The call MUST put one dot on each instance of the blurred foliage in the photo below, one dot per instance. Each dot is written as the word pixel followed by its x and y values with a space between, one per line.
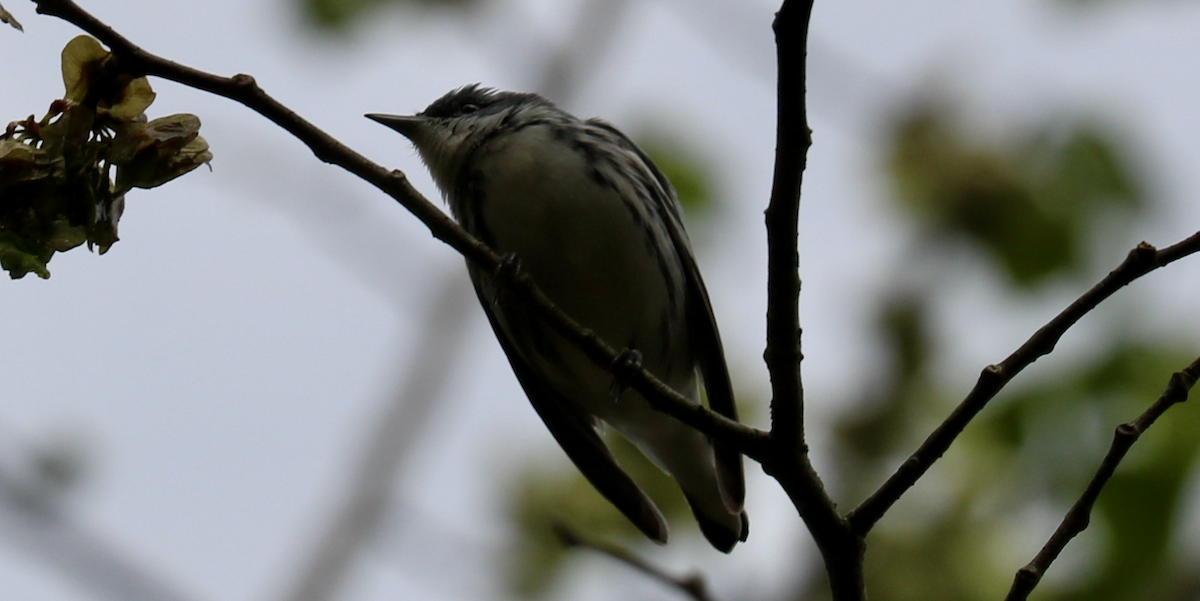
pixel 687 172
pixel 339 15
pixel 56 191
pixel 964 531
pixel 544 500
pixel 1028 202
pixel 1030 453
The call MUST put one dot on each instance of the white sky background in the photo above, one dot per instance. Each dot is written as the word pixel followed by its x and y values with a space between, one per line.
pixel 221 364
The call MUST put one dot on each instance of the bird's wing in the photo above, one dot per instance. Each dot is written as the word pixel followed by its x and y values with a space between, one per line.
pixel 576 435
pixel 702 326
pixel 715 373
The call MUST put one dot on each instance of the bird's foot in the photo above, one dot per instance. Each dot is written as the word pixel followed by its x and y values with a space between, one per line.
pixel 506 273
pixel 623 369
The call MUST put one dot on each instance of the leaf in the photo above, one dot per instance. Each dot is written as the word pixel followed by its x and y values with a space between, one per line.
pixel 14 151
pixel 151 154
pixel 19 257
pixel 62 236
pixel 135 98
pixel 69 133
pixel 83 69
pixel 82 58
pixel 6 17
pixel 21 162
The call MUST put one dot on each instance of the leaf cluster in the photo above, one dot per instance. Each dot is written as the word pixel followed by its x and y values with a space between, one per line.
pixel 63 178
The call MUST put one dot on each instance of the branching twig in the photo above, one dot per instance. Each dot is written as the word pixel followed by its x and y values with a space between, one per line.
pixel 1079 515
pixel 1141 260
pixel 692 585
pixel 243 89
pixel 789 463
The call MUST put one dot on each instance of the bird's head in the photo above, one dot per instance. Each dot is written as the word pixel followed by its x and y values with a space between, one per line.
pixel 447 132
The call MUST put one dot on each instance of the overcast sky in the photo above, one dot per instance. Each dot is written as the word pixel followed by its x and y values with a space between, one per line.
pixel 220 366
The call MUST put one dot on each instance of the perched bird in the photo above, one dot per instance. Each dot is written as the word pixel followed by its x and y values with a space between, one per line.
pixel 587 214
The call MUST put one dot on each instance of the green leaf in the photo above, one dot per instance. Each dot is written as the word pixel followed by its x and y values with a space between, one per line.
pixel 134 99
pixel 82 58
pixel 19 257
pixel 61 235
pixel 151 154
pixel 21 162
pixel 84 63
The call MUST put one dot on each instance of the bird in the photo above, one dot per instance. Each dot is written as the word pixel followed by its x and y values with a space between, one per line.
pixel 584 211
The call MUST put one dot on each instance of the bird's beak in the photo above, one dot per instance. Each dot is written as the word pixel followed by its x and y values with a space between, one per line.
pixel 409 126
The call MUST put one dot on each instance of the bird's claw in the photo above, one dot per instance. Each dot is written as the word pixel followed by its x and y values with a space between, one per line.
pixel 506 273
pixel 624 367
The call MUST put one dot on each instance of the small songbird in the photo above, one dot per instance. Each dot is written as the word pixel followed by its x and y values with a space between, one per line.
pixel 585 212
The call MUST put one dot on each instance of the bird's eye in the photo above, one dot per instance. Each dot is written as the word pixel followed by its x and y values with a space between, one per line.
pixel 467 109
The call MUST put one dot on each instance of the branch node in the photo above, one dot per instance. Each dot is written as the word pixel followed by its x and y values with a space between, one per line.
pixel 991 374
pixel 1027 578
pixel 243 80
pixel 1141 255
pixel 1126 431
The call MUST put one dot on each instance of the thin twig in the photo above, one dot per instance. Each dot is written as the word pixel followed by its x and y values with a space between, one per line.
pixel 1079 515
pixel 1141 260
pixel 243 89
pixel 793 140
pixel 692 585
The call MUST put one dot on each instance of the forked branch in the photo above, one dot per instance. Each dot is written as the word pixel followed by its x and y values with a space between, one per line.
pixel 1079 515
pixel 1141 260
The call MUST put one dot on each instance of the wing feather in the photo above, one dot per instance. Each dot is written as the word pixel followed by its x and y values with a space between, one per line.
pixel 573 430
pixel 701 322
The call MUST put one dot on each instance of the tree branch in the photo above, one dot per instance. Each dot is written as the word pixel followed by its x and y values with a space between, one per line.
pixel 691 585
pixel 243 89
pixel 1141 260
pixel 841 550
pixel 1079 515
pixel 793 139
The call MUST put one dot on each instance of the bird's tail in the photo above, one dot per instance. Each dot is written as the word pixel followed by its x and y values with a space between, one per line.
pixel 723 528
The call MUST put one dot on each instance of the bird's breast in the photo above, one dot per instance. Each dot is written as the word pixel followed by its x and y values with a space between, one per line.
pixel 587 240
